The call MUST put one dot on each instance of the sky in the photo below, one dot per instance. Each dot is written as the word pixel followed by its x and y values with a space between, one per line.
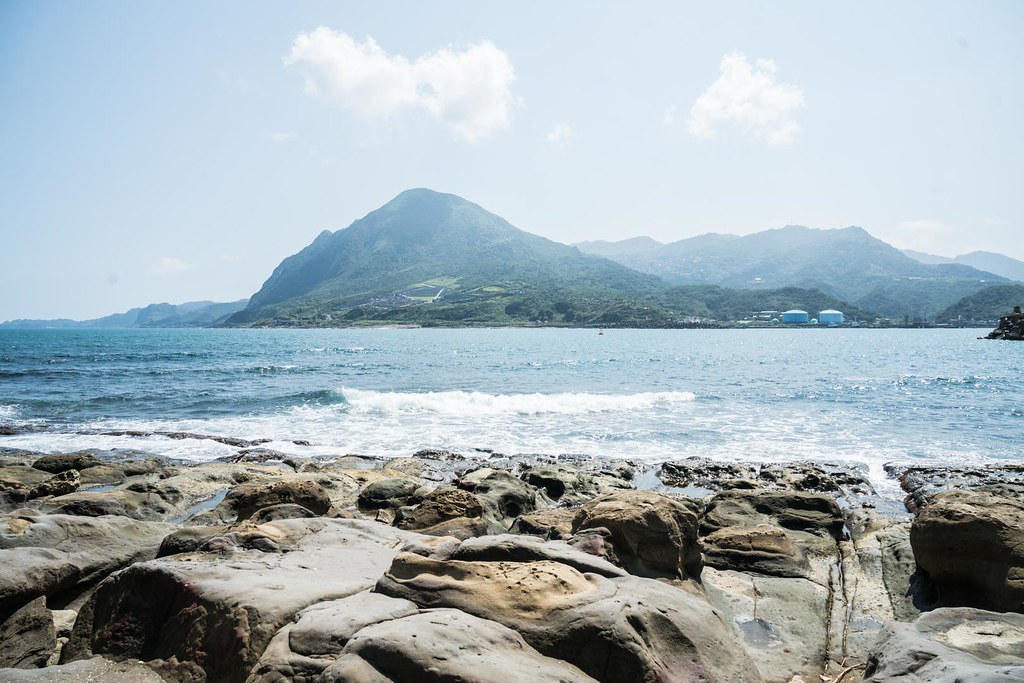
pixel 173 152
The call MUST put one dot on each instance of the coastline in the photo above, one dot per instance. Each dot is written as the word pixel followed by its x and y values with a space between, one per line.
pixel 797 570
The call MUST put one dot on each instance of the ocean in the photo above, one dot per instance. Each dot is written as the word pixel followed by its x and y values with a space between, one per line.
pixel 850 395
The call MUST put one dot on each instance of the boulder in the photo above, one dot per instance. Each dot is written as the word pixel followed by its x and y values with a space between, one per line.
pixel 441 505
pixel 60 462
pixel 60 555
pixel 512 548
pixel 249 498
pixel 950 645
pixel 613 629
pixel 121 502
pixel 653 534
pixel 765 549
pixel 61 484
pixel 794 510
pixel 215 612
pixel 102 475
pixel 504 496
pixel 27 637
pixel 15 477
pixel 393 492
pixel 554 523
pixel 445 645
pixel 970 545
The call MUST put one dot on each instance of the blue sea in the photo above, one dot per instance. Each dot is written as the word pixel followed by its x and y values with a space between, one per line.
pixel 854 395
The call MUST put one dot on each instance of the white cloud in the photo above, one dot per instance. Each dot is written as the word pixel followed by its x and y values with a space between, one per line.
pixel 561 134
pixel 282 138
pixel 468 91
pixel 169 264
pixel 748 97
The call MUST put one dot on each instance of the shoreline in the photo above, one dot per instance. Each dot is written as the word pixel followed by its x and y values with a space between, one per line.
pixel 487 543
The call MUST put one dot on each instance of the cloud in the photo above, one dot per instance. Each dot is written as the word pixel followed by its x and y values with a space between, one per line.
pixel 467 91
pixel 282 138
pixel 169 264
pixel 748 98
pixel 561 134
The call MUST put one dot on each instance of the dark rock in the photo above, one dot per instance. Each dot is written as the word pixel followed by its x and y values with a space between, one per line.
pixel 246 499
pixel 950 645
pixel 102 474
pixel 654 535
pixel 58 485
pixel 971 547
pixel 393 492
pixel 59 462
pixel 441 505
pixel 797 511
pixel 764 549
pixel 189 539
pixel 280 511
pixel 122 502
pixel 27 638
pixel 553 523
pixel 703 472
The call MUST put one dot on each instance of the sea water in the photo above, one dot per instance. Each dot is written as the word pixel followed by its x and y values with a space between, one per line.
pixel 851 395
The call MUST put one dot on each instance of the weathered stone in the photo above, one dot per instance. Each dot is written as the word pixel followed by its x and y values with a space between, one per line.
pixel 797 511
pixel 504 496
pixel 445 645
pixel 441 505
pixel 102 474
pixel 764 549
pixel 512 548
pixel 614 629
pixel 971 546
pixel 392 492
pixel 27 637
pixel 59 462
pixel 206 614
pixel 654 535
pixel 247 499
pixel 281 511
pixel 21 477
pixel 122 502
pixel 60 555
pixel 95 670
pixel 58 485
pixel 951 645
pixel 553 523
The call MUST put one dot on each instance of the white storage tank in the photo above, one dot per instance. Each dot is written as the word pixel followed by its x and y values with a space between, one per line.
pixel 795 317
pixel 831 317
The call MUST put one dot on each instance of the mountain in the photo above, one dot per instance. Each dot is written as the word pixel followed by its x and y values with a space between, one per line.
pixel 428 257
pixel 634 246
pixel 987 305
pixel 191 314
pixel 846 263
pixel 1000 264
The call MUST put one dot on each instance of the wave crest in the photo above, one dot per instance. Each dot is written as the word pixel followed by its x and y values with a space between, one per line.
pixel 463 403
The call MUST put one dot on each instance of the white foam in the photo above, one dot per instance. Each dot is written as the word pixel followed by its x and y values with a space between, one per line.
pixel 473 403
pixel 8 411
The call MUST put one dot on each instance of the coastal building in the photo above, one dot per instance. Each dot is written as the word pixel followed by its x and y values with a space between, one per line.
pixel 831 317
pixel 795 317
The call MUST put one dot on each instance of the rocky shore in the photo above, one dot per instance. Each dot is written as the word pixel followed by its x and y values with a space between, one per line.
pixel 1010 327
pixel 121 566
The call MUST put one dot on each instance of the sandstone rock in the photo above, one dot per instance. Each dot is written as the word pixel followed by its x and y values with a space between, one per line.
pixel 95 670
pixel 971 546
pixel 614 629
pixel 445 645
pixel 951 645
pixel 280 511
pixel 797 511
pixel 503 495
pixel 441 505
pixel 122 502
pixel 654 535
pixel 15 477
pixel 60 555
pixel 27 637
pixel 199 613
pixel 189 539
pixel 247 499
pixel 58 485
pixel 764 549
pixel 392 492
pixel 554 523
pixel 512 548
pixel 303 649
pixel 102 474
pixel 704 472
pixel 59 462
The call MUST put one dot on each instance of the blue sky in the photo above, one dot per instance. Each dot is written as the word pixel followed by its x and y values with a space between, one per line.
pixel 174 151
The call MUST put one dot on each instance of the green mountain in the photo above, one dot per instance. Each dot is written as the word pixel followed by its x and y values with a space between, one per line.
pixel 987 305
pixel 719 303
pixel 847 263
pixel 427 257
pixel 191 314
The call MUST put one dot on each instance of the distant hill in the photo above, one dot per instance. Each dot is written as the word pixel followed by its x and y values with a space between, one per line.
pixel 846 263
pixel 191 314
pixel 987 305
pixel 430 257
pixel 1000 264
pixel 719 303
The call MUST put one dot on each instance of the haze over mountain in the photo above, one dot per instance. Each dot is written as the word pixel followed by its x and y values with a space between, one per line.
pixel 1000 264
pixel 190 314
pixel 847 263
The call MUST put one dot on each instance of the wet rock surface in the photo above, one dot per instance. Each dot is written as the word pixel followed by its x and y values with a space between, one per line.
pixel 490 567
